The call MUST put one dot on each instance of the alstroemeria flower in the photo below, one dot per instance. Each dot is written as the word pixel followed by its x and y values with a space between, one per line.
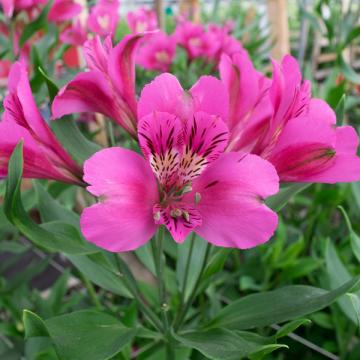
pixel 280 122
pixel 142 20
pixel 195 40
pixel 183 181
pixel 44 156
pixel 109 86
pixel 74 35
pixel 104 17
pixel 11 6
pixel 64 10
pixel 156 52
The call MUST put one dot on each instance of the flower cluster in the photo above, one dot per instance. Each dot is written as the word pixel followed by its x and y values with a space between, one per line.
pixel 210 155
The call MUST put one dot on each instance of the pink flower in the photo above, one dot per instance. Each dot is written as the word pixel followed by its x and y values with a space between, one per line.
pixel 157 52
pixel 11 6
pixel 195 40
pixel 44 156
pixel 142 20
pixel 63 10
pixel 108 88
pixel 104 17
pixel 74 35
pixel 281 123
pixel 184 181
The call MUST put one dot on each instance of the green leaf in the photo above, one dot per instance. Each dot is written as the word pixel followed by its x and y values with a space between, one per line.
pixel 338 274
pixel 51 210
pixel 224 344
pixel 287 303
pixel 34 26
pixel 34 325
pixel 73 140
pixel 278 201
pixel 340 110
pixel 354 237
pixel 51 86
pixel 290 327
pixel 216 262
pixel 100 275
pixel 197 247
pixel 348 71
pixel 56 238
pixel 89 335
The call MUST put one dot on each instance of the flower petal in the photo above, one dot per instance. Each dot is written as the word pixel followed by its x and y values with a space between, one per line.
pixel 121 69
pixel 210 96
pixel 180 219
pixel 205 139
pixel 165 94
pixel 123 220
pixel 230 194
pixel 87 92
pixel 161 141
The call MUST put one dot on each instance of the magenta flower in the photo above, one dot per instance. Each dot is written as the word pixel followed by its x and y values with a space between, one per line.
pixel 108 88
pixel 156 52
pixel 74 35
pixel 64 10
pixel 12 6
pixel 104 17
pixel 195 40
pixel 184 181
pixel 44 156
pixel 280 122
pixel 142 20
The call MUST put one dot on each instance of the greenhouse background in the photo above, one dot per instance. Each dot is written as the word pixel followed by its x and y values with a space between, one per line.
pixel 249 249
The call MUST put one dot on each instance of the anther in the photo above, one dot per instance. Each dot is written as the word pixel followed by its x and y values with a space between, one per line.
pixel 157 216
pixel 175 213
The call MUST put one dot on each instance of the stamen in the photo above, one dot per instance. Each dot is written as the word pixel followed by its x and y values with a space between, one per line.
pixel 175 213
pixel 186 215
pixel 157 216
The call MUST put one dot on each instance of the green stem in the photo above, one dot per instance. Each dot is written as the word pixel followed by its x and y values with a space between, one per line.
pixel 186 275
pixel 91 291
pixel 110 130
pixel 11 27
pixel 185 309
pixel 159 259
pixel 131 285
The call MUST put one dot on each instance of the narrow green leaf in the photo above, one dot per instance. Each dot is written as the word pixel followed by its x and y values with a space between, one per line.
pixel 190 254
pixel 100 275
pixel 338 274
pixel 51 86
pixel 278 201
pixel 34 325
pixel 34 26
pixel 290 327
pixel 223 344
pixel 64 238
pixel 287 303
pixel 88 335
pixel 340 110
pixel 348 71
pixel 73 140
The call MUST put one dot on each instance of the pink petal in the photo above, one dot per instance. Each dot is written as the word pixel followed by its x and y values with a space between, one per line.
pixel 36 163
pixel 205 139
pixel 165 94
pixel 63 10
pixel 87 92
pixel 210 96
pixel 161 141
pixel 96 53
pixel 230 194
pixel 242 83
pixel 123 219
pixel 180 219
pixel 121 69
pixel 310 149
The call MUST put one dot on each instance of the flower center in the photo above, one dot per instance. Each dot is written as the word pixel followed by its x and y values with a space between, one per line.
pixel 104 21
pixel 162 57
